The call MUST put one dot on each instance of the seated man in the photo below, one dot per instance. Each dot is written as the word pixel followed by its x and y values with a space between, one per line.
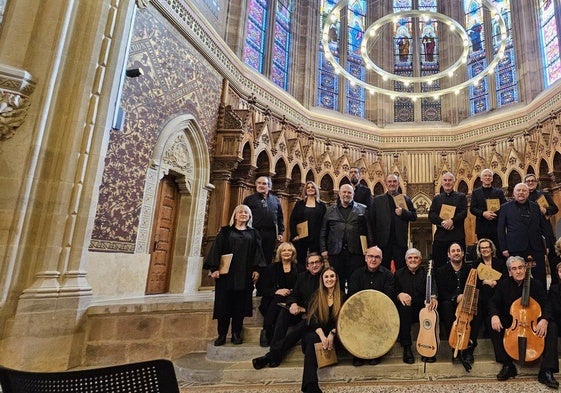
pixel 410 286
pixel 306 284
pixel 451 280
pixel 371 276
pixel 508 291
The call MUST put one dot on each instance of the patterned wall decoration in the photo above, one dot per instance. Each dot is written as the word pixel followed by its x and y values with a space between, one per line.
pixel 176 80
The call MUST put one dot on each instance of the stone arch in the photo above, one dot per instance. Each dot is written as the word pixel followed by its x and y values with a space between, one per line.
pixel 513 179
pixel 263 164
pixel 280 179
pixel 182 150
pixel 296 181
pixel 310 176
pixel 378 189
pixel 544 179
pixel 326 188
pixel 557 166
pixel 422 203
pixel 463 186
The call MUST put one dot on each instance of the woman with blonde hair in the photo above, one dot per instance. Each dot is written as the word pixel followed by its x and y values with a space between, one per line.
pixel 234 289
pixel 309 210
pixel 323 312
pixel 277 283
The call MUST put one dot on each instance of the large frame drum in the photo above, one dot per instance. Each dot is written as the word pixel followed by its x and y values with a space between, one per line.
pixel 368 324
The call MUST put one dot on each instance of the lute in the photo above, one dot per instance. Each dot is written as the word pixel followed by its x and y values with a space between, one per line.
pixel 428 338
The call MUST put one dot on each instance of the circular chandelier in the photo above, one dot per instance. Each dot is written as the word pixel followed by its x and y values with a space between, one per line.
pixel 372 32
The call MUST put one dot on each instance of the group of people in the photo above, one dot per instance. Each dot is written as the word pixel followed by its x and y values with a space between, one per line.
pixel 359 242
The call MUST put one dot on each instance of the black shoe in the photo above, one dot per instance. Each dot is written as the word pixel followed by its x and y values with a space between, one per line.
pixel 274 363
pixel 408 355
pixel 546 377
pixel 237 339
pixel 260 362
pixel 357 362
pixel 374 361
pixel 221 340
pixel 312 388
pixel 467 354
pixel 431 359
pixel 264 339
pixel 508 371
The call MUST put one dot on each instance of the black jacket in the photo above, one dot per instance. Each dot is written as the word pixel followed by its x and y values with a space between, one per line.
pixel 336 232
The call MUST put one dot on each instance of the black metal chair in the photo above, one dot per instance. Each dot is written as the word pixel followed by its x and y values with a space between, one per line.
pixel 154 376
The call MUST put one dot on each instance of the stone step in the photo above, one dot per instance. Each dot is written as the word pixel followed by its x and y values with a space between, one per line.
pixel 232 364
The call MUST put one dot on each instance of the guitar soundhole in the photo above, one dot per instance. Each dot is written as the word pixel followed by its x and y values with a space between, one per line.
pixel 427 324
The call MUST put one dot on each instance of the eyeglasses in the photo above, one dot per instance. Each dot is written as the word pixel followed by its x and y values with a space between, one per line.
pixel 314 263
pixel 373 257
pixel 530 181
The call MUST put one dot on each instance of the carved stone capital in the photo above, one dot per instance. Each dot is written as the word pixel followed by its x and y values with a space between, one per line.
pixel 142 3
pixel 16 86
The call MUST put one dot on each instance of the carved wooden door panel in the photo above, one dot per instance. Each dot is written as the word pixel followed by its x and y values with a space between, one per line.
pixel 162 237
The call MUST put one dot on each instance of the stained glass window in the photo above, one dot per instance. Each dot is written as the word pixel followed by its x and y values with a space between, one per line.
pixel 504 76
pixel 256 51
pixel 429 60
pixel 404 110
pixel 355 65
pixel 506 80
pixel 328 82
pixel 549 41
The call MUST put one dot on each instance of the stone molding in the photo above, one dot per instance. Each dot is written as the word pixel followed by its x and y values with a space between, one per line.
pixel 16 85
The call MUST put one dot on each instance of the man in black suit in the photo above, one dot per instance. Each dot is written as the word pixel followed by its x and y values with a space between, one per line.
pixel 389 223
pixel 340 237
pixel 448 229
pixel 484 201
pixel 520 230
pixel 362 194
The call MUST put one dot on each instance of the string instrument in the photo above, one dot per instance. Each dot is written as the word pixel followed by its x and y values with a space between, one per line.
pixel 466 309
pixel 428 338
pixel 521 337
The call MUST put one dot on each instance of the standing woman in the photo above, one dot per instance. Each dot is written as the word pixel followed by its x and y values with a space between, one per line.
pixel 233 291
pixel 323 312
pixel 311 209
pixel 277 283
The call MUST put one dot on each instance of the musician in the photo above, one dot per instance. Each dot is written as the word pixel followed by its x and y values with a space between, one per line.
pixel 389 223
pixel 508 291
pixel 410 286
pixel 362 194
pixel 372 276
pixel 234 290
pixel 485 219
pixel 343 225
pixel 537 195
pixel 487 255
pixel 450 230
pixel 520 230
pixel 309 209
pixel 323 312
pixel 277 283
pixel 451 281
pixel 295 314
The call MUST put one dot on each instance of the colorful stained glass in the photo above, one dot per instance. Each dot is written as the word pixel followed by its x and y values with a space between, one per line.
pixel 328 81
pixel 549 41
pixel 281 44
pixel 506 84
pixel 355 65
pixel 256 28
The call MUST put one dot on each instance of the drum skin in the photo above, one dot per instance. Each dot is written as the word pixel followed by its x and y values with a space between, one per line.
pixel 368 324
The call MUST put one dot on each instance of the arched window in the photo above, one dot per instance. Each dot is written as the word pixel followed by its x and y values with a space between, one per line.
pixel 504 80
pixel 549 41
pixel 328 81
pixel 416 53
pixel 268 39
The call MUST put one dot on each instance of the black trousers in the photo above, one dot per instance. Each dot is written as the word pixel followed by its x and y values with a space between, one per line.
pixel 550 359
pixel 283 339
pixel 408 315
pixel 346 263
pixel 310 372
pixel 395 252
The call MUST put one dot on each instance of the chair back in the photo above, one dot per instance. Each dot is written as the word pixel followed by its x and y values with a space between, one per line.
pixel 154 376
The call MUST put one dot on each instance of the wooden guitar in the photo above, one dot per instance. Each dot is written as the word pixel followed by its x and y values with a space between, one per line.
pixel 428 339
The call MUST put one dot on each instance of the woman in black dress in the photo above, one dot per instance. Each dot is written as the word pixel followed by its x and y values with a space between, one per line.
pixel 323 312
pixel 309 209
pixel 233 290
pixel 277 283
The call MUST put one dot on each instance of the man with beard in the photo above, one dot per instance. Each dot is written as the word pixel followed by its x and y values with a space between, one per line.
pixel 485 203
pixel 389 223
pixel 362 194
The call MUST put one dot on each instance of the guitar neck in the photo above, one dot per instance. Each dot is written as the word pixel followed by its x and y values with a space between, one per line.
pixel 428 285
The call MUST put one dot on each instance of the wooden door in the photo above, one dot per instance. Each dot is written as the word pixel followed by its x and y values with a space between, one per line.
pixel 162 237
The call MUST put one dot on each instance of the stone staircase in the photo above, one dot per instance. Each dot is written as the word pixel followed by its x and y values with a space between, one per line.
pixel 231 364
